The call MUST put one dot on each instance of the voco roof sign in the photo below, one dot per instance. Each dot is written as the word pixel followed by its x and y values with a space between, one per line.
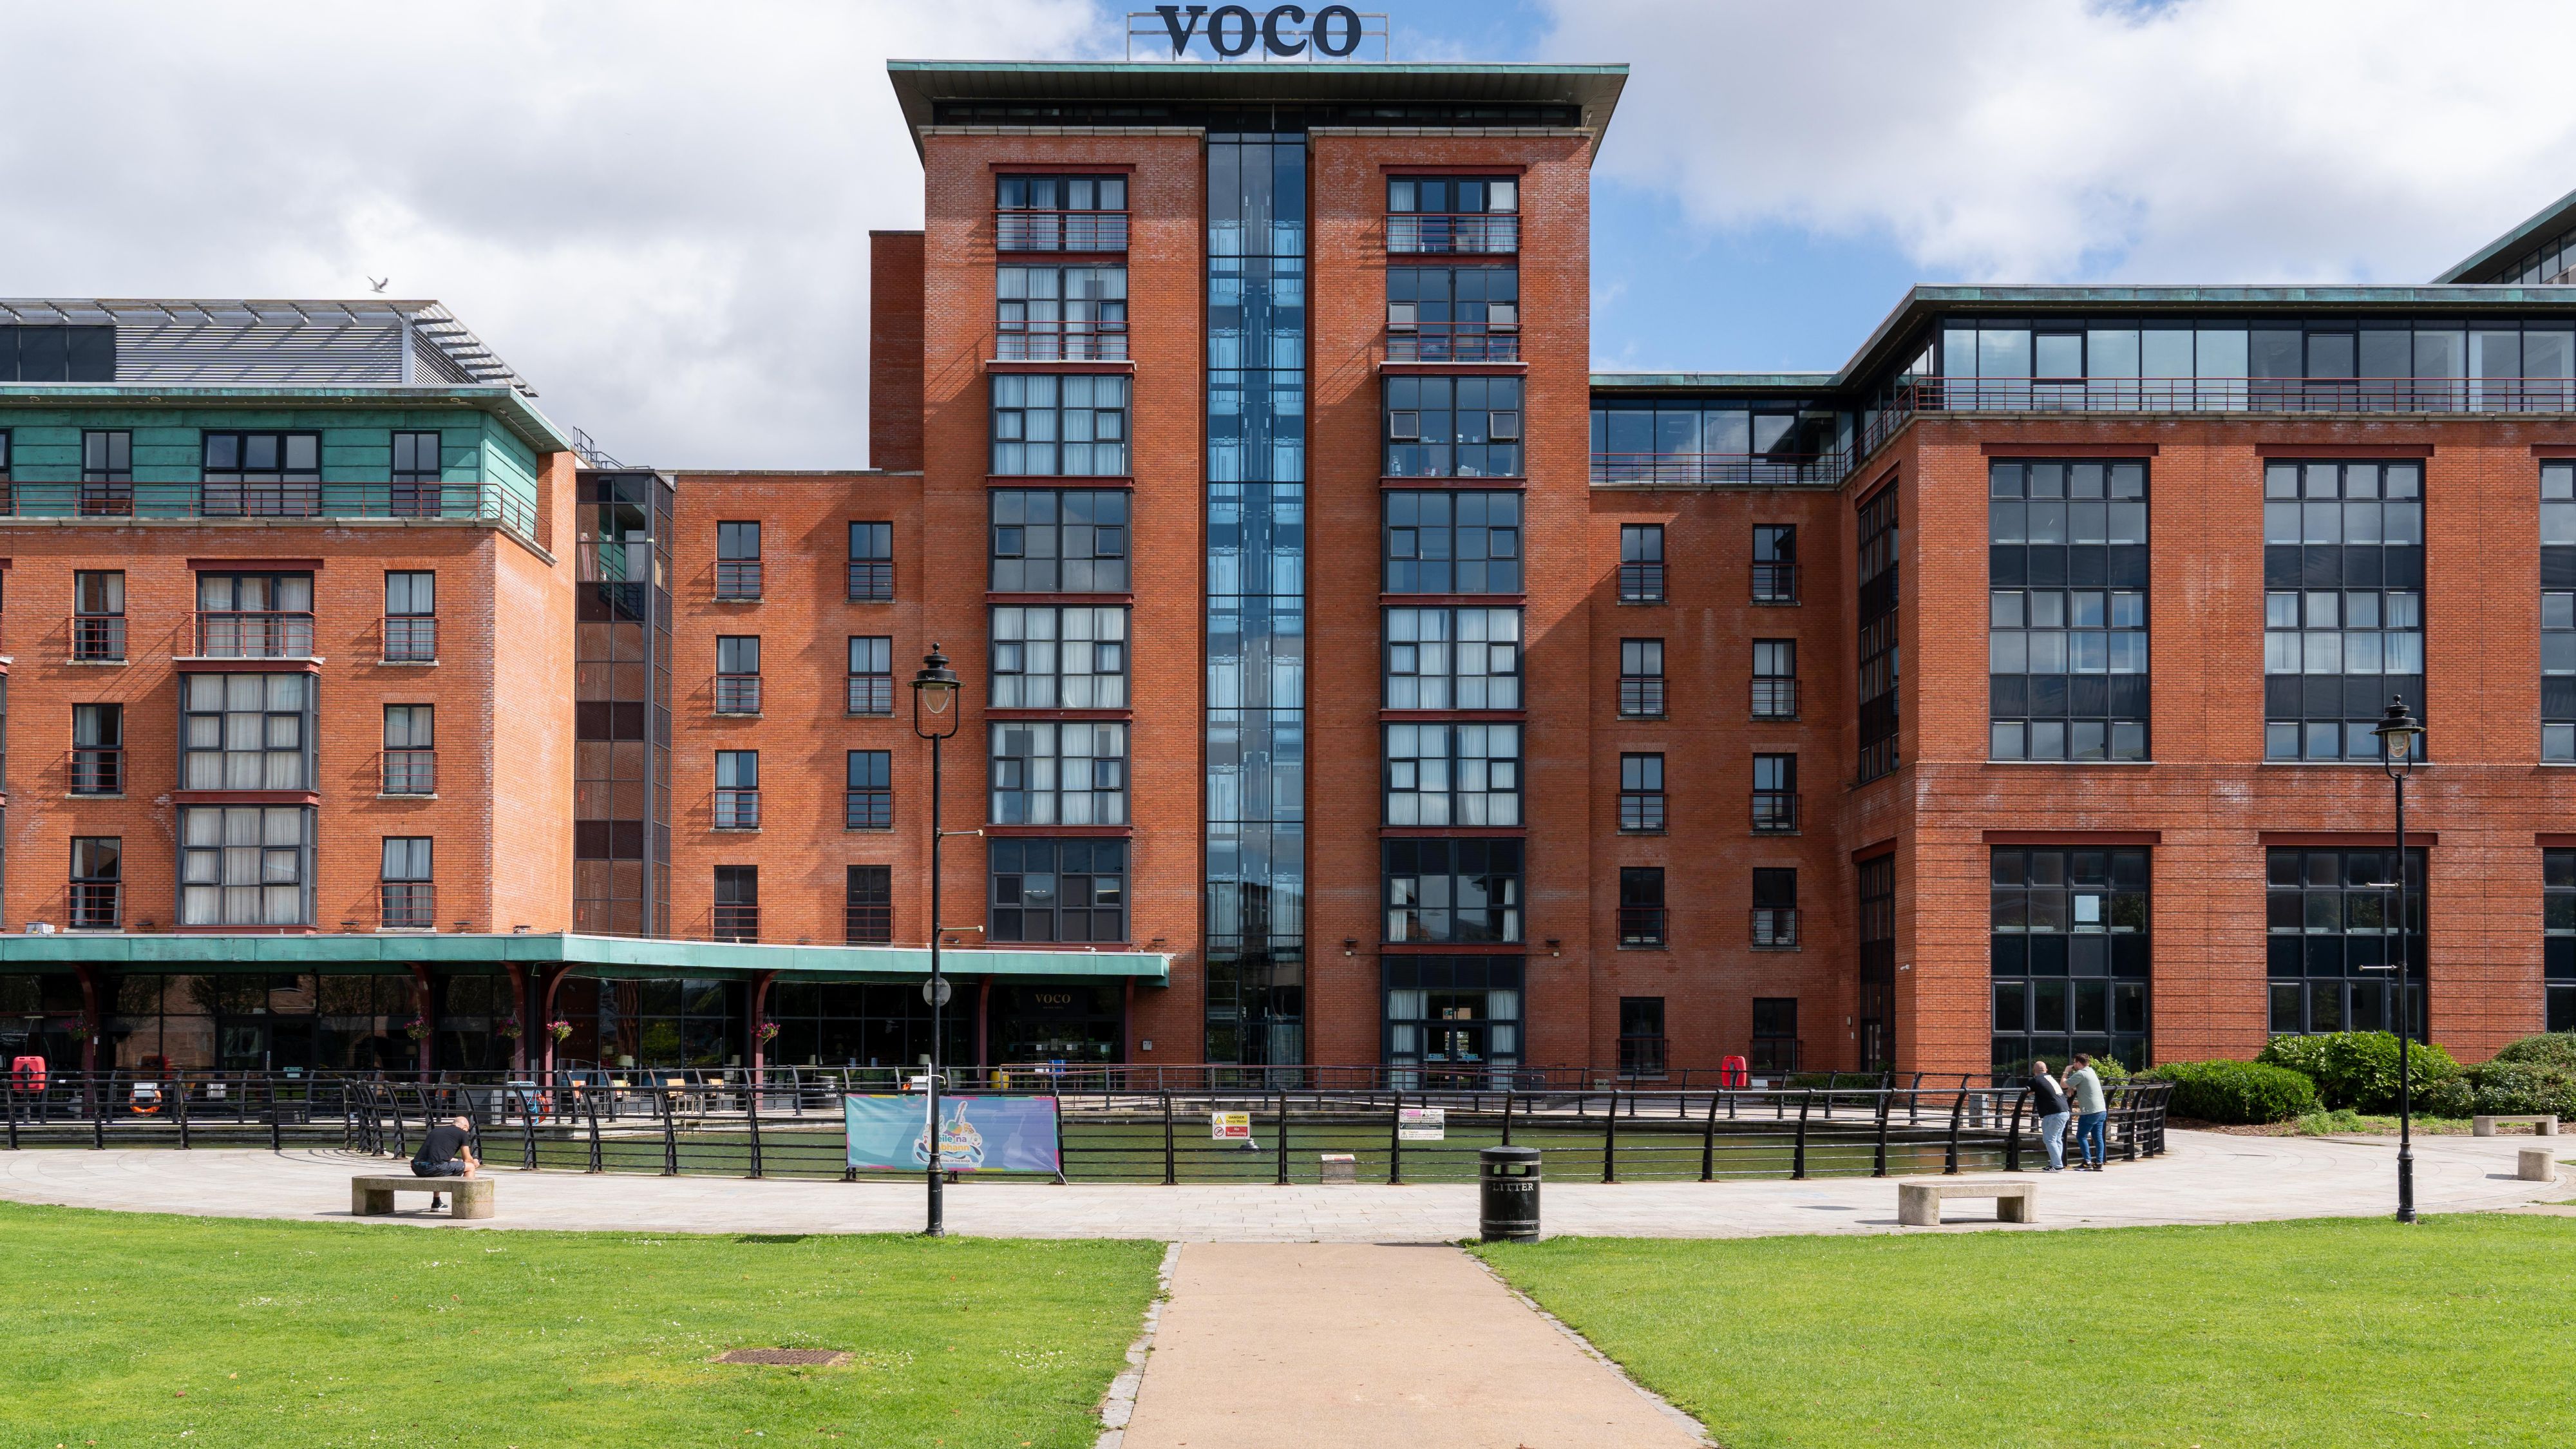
pixel 1232 32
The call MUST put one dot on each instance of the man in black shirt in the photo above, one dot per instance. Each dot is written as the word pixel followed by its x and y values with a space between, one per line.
pixel 446 1152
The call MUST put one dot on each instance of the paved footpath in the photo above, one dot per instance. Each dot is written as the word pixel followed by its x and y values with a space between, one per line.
pixel 2204 1178
pixel 1297 1344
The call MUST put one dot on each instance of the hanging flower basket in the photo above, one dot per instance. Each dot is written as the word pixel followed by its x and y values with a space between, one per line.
pixel 509 1028
pixel 559 1029
pixel 417 1028
pixel 767 1031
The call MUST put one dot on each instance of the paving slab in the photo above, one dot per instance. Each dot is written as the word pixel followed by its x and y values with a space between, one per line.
pixel 1285 1346
pixel 2204 1178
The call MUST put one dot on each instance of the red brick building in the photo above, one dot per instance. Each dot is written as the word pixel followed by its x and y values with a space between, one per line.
pixel 1351 677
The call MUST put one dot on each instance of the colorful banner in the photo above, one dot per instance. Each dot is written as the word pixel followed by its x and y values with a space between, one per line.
pixel 976 1133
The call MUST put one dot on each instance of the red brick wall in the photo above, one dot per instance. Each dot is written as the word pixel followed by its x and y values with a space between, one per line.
pixel 894 349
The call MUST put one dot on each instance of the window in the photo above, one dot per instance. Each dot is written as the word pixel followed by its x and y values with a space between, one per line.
pixel 737 903
pixel 1453 543
pixel 1051 542
pixel 1641 1036
pixel 1046 425
pixel 2067 613
pixel 411 618
pixel 51 352
pixel 1045 657
pixel 416 461
pixel 107 473
pixel 411 749
pixel 255 616
pixel 2334 939
pixel 98 875
pixel 1061 314
pixel 867 906
pixel 269 474
pixel 738 674
pixel 1775 679
pixel 1453 890
pixel 1453 659
pixel 1775 794
pixel 1878 647
pixel 245 865
pixel 1453 314
pixel 98 616
pixel 1059 890
pixel 1641 678
pixel 246 731
pixel 1775 1034
pixel 2070 955
pixel 871 563
pixel 1444 774
pixel 1641 794
pixel 1690 444
pixel 98 749
pixel 737 789
pixel 1453 427
pixel 2558 939
pixel 1775 907
pixel 869 791
pixel 1453 214
pixel 1641 907
pixel 2343 605
pixel 1059 774
pixel 1877 1015
pixel 738 561
pixel 2558 612
pixel 1452 1021
pixel 871 674
pixel 1641 563
pixel 407 903
pixel 1775 563
pixel 1061 214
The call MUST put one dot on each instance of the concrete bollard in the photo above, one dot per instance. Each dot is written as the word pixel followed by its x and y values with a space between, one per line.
pixel 2535 1166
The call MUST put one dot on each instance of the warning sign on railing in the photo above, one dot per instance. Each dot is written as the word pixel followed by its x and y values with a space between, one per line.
pixel 1229 1126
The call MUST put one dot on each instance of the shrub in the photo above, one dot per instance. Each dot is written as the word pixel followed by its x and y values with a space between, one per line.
pixel 2358 1069
pixel 2454 1098
pixel 2556 1049
pixel 2236 1092
pixel 2519 1087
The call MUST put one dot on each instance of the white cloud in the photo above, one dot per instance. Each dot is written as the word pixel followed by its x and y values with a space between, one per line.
pixel 2052 140
pixel 657 212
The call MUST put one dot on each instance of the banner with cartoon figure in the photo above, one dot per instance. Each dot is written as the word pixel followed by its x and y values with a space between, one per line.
pixel 976 1133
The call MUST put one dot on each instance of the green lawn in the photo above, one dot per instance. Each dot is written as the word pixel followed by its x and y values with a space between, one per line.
pixel 127 1328
pixel 2458 1331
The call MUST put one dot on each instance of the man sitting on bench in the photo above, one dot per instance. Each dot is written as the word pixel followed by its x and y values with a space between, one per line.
pixel 444 1152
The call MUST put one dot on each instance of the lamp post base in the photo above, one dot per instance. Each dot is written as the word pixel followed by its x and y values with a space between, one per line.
pixel 2406 1187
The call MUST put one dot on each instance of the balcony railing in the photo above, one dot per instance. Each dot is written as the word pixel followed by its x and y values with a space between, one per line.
pixel 1024 230
pixel 97 905
pixel 1775 812
pixel 1451 342
pixel 407 905
pixel 1695 470
pixel 267 635
pixel 1478 232
pixel 1775 926
pixel 737 923
pixel 737 694
pixel 1062 342
pixel 411 639
pixel 411 772
pixel 475 502
pixel 738 578
pixel 1641 812
pixel 1641 1056
pixel 737 810
pixel 98 638
pixel 867 925
pixel 1641 697
pixel 1641 583
pixel 871 580
pixel 1775 699
pixel 1775 583
pixel 871 694
pixel 98 770
pixel 868 810
pixel 1641 925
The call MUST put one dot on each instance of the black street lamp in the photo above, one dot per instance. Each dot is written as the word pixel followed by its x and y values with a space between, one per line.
pixel 934 718
pixel 2397 734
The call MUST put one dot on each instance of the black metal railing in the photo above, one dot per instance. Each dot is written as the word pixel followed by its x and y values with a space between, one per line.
pixel 871 580
pixel 410 905
pixel 871 694
pixel 736 810
pixel 1775 812
pixel 1775 699
pixel 737 694
pixel 411 772
pixel 738 579
pixel 98 638
pixel 1641 812
pixel 470 502
pixel 1451 342
pixel 96 905
pixel 1641 583
pixel 98 770
pixel 1775 583
pixel 261 634
pixel 411 639
pixel 867 810
pixel 1641 925
pixel 1775 925
pixel 1701 470
pixel 1641 696
pixel 1031 230
pixel 1078 341
pixel 1479 232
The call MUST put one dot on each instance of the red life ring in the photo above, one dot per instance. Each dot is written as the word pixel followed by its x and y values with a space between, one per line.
pixel 1732 1073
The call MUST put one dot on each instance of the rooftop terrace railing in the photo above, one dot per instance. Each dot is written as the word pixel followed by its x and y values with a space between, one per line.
pixel 1701 470
pixel 330 502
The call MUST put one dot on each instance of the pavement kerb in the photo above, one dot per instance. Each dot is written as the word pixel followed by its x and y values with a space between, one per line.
pixel 1663 1406
pixel 1119 1404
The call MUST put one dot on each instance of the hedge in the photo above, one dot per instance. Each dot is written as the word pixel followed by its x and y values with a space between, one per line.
pixel 2557 1049
pixel 2235 1092
pixel 2358 1069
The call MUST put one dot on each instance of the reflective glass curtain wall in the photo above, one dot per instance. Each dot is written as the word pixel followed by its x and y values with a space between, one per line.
pixel 622 707
pixel 1256 626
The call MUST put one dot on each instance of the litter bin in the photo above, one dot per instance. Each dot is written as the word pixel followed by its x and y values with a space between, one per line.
pixel 1507 1179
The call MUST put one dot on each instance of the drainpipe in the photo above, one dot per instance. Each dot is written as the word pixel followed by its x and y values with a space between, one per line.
pixel 759 1014
pixel 519 1009
pixel 424 1047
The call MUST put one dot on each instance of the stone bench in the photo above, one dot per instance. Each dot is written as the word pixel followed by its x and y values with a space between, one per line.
pixel 2532 1164
pixel 1918 1203
pixel 373 1196
pixel 2544 1124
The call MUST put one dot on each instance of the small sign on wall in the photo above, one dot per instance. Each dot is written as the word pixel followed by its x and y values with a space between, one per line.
pixel 1229 1126
pixel 1421 1124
